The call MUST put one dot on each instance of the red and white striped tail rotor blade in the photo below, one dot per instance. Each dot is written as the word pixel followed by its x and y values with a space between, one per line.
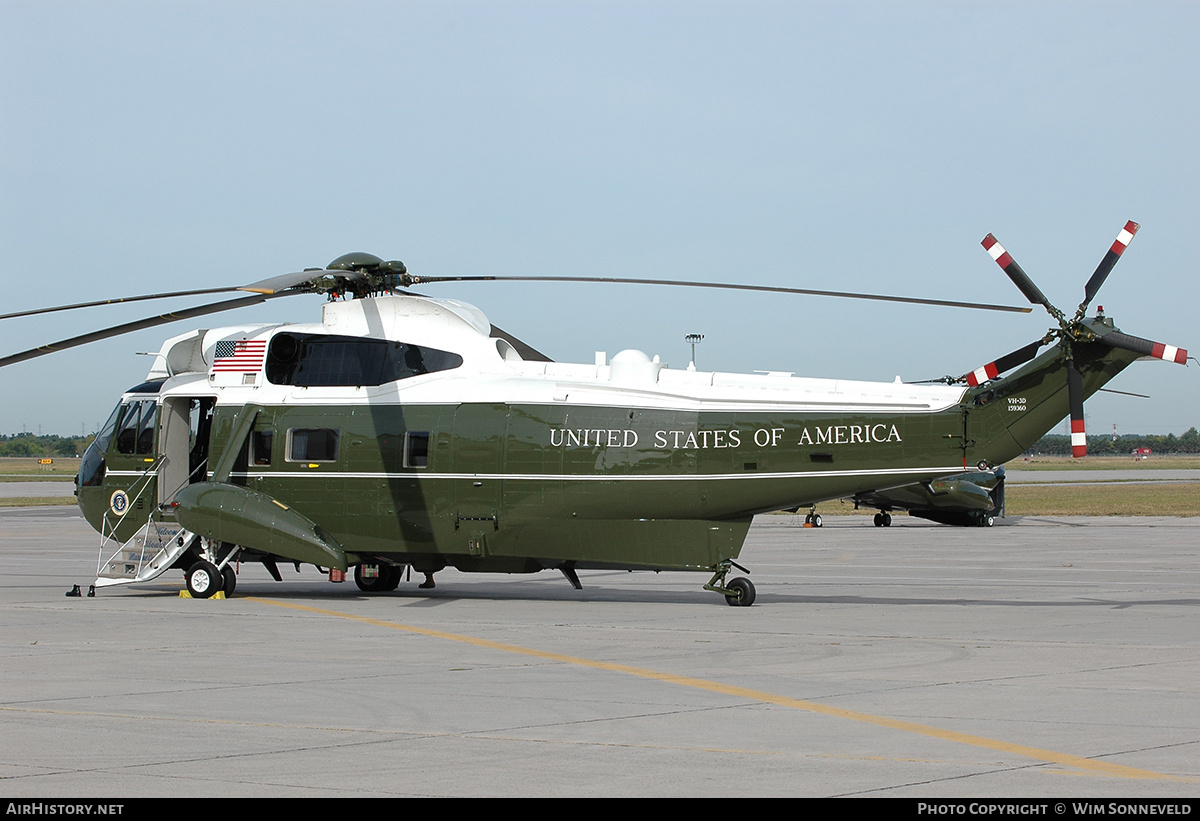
pixel 1010 267
pixel 1004 363
pixel 1146 347
pixel 1075 394
pixel 1110 259
pixel 981 375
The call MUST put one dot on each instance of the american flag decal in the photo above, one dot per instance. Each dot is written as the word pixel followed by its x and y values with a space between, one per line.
pixel 239 356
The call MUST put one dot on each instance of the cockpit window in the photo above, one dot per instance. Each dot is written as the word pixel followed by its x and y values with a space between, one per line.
pixel 315 360
pixel 91 468
pixel 135 434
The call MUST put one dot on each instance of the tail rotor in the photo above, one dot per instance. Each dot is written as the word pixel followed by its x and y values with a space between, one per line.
pixel 1070 333
pixel 1106 265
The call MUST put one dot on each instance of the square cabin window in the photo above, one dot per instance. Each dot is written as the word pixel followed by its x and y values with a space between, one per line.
pixel 416 449
pixel 260 447
pixel 312 445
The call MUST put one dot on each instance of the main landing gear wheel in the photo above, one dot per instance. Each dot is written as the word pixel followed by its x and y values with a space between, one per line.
pixel 883 519
pixel 743 593
pixel 377 578
pixel 813 519
pixel 395 575
pixel 204 580
pixel 229 578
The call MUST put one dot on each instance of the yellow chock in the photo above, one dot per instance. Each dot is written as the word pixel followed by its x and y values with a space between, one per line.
pixel 184 594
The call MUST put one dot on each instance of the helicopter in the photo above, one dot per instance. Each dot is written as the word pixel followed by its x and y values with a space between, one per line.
pixel 972 498
pixel 406 431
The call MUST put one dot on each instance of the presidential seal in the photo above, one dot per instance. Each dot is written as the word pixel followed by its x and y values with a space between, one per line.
pixel 119 502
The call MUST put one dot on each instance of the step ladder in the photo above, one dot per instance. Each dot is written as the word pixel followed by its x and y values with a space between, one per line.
pixel 147 554
pixel 151 550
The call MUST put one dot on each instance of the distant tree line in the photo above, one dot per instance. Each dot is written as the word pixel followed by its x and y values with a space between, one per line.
pixel 1059 444
pixel 28 444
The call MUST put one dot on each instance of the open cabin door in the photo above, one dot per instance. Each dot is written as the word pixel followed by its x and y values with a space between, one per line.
pixel 181 457
pixel 184 427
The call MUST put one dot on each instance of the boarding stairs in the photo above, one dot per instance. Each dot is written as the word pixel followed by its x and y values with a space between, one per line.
pixel 152 550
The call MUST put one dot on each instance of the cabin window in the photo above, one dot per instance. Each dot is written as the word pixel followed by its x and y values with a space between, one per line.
pixel 416 449
pixel 135 434
pixel 260 447
pixel 312 445
pixel 315 360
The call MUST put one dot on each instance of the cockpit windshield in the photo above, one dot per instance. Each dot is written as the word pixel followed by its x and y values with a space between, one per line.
pixel 91 467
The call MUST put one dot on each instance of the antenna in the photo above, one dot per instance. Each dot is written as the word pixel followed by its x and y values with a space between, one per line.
pixel 693 340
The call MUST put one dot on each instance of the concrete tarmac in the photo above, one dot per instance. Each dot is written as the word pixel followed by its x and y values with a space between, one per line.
pixel 1040 658
pixel 44 490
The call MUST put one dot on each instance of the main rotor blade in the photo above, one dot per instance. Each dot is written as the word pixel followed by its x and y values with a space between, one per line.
pixel 728 286
pixel 1075 395
pixel 271 285
pixel 1126 393
pixel 116 301
pixel 1007 362
pixel 1015 273
pixel 138 325
pixel 285 282
pixel 1146 347
pixel 1106 265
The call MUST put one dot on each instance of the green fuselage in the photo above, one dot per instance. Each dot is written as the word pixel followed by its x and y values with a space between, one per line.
pixel 518 487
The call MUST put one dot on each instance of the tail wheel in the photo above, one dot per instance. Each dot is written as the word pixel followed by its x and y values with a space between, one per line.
pixel 204 580
pixel 743 593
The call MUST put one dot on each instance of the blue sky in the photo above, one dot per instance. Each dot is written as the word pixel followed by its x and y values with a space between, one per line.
pixel 148 146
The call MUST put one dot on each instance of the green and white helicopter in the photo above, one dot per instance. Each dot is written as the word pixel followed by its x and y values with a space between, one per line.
pixel 406 431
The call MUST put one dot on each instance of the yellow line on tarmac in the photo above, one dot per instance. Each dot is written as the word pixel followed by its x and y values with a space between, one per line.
pixel 1087 764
